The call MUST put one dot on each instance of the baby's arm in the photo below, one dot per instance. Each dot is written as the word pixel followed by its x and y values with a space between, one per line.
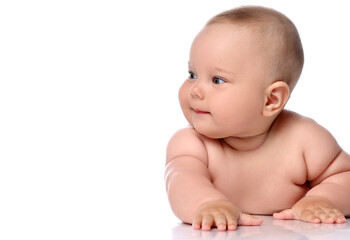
pixel 328 173
pixel 191 193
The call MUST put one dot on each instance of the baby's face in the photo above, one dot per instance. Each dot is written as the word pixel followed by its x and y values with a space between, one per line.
pixel 224 93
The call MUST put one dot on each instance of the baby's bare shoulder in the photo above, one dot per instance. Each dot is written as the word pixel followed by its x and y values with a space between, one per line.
pixel 318 145
pixel 292 119
pixel 187 142
pixel 308 131
pixel 311 133
pixel 300 126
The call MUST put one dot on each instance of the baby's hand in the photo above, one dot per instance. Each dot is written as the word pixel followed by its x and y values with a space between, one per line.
pixel 313 210
pixel 222 214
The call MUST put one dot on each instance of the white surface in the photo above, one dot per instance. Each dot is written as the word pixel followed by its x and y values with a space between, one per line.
pixel 88 101
pixel 270 229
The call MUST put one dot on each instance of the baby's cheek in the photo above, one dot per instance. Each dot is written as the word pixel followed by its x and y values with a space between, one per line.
pixel 183 95
pixel 188 116
pixel 184 102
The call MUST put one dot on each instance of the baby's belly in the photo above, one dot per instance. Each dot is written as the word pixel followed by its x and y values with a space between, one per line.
pixel 262 197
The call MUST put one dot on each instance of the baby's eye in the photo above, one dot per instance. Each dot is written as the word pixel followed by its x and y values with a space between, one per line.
pixel 217 80
pixel 192 75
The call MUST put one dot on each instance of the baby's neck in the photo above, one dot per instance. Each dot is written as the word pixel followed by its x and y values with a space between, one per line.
pixel 253 141
pixel 247 143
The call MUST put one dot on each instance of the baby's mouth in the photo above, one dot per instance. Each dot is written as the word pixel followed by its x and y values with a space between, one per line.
pixel 200 111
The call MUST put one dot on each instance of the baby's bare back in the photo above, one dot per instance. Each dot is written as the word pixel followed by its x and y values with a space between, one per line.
pixel 262 181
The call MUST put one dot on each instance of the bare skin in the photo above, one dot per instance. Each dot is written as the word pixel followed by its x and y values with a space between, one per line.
pixel 243 153
pixel 272 179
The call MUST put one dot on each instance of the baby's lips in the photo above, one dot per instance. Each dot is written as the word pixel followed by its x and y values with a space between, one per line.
pixel 200 111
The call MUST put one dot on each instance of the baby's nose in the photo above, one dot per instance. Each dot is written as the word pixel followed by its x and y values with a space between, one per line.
pixel 196 91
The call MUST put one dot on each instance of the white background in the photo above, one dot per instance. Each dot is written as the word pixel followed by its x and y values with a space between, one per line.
pixel 88 101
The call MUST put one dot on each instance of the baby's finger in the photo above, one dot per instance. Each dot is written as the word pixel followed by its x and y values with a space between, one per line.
pixel 340 219
pixel 309 216
pixel 249 220
pixel 220 221
pixel 332 216
pixel 207 222
pixel 197 222
pixel 338 216
pixel 287 214
pixel 231 223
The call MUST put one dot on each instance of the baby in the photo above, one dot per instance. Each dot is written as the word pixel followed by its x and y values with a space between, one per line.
pixel 244 154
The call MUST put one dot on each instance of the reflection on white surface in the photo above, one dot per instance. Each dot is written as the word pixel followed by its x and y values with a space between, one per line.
pixel 270 229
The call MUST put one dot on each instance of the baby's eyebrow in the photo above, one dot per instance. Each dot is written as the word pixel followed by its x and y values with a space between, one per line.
pixel 189 65
pixel 216 68
pixel 222 70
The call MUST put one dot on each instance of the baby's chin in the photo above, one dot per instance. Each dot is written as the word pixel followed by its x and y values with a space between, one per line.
pixel 209 133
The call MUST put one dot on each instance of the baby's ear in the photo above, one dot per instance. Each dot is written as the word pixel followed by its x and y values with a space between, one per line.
pixel 276 97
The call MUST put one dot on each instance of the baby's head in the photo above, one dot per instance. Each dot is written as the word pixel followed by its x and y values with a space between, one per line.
pixel 277 37
pixel 242 67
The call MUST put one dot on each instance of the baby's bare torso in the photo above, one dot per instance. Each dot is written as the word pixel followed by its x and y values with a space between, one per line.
pixel 262 181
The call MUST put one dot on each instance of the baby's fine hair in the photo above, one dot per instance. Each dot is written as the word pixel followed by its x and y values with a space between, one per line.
pixel 278 36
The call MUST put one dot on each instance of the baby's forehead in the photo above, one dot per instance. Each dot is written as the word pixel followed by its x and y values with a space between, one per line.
pixel 260 31
pixel 263 38
pixel 228 44
pixel 228 30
